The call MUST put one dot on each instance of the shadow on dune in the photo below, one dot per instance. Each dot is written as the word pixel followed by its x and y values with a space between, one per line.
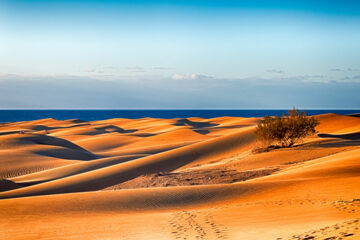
pixel 96 130
pixel 339 143
pixel 163 162
pixel 69 170
pixel 187 122
pixel 6 185
pixel 201 131
pixel 206 131
pixel 355 115
pixel 76 121
pixel 40 127
pixel 340 140
pixel 235 126
pixel 196 126
pixel 76 124
pixel 57 147
pixel 93 130
pixel 112 128
pixel 9 132
pixel 52 141
pixel 348 136
pixel 143 134
pixel 204 127
pixel 69 154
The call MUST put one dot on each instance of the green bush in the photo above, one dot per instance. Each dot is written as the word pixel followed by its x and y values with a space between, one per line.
pixel 286 130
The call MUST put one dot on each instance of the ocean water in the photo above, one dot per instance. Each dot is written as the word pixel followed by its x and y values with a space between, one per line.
pixel 91 115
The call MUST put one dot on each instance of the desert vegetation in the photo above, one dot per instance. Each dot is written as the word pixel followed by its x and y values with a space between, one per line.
pixel 286 130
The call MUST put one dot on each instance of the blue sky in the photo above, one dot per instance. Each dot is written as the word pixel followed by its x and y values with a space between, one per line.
pixel 179 54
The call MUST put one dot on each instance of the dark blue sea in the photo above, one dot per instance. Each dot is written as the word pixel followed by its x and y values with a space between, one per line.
pixel 91 115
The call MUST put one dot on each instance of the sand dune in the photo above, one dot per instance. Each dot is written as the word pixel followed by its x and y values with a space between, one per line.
pixel 332 123
pixel 105 142
pixel 71 169
pixel 192 178
pixel 179 135
pixel 166 161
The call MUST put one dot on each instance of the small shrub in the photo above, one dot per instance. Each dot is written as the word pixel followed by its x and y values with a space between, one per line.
pixel 286 130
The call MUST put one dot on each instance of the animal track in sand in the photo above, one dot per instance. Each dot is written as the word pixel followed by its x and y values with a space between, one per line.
pixel 190 225
pixel 351 206
pixel 345 230
pixel 287 202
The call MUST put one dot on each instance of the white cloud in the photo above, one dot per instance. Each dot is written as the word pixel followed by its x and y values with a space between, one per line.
pixel 344 69
pixel 201 91
pixel 351 79
pixel 90 70
pixel 101 70
pixel 136 69
pixel 192 76
pixel 275 71
pixel 163 68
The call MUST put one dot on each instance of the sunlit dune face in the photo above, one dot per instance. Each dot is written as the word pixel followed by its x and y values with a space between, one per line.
pixel 199 178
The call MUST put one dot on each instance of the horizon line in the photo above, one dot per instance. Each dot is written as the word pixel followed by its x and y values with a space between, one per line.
pixel 4 109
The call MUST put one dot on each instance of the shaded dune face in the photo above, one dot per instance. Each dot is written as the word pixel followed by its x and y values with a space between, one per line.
pixel 109 152
pixel 162 162
pixel 198 176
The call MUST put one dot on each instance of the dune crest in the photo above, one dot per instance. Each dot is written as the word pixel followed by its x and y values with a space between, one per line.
pixel 199 179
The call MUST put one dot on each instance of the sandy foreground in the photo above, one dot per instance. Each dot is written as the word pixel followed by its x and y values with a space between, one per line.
pixel 177 179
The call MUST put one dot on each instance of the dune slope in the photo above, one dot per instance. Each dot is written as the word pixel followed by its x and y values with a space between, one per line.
pixel 57 174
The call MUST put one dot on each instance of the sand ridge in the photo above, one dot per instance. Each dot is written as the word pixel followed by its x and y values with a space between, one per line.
pixel 198 177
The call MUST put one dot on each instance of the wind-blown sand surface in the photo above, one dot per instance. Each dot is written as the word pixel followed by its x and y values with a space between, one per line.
pixel 177 179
